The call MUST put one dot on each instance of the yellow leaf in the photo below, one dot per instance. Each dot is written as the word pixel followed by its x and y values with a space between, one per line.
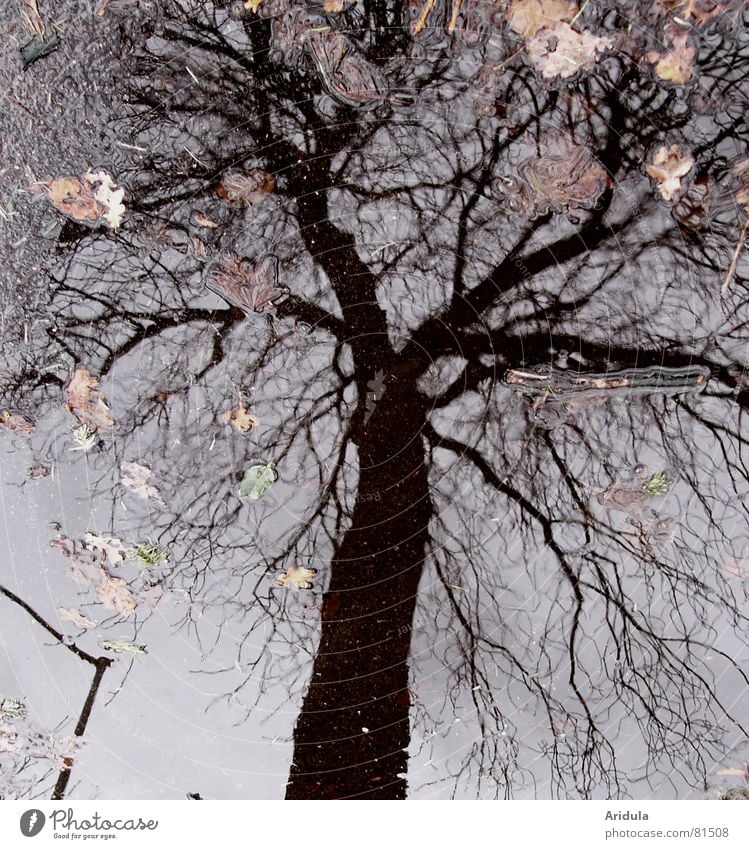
pixel 253 5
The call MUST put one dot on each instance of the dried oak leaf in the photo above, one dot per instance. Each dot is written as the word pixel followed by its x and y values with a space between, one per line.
pixel 527 17
pixel 135 477
pixel 562 51
pixel 68 614
pixel 115 595
pixel 245 188
pixel 106 548
pixel 297 577
pixel 668 167
pixel 240 419
pixel 92 200
pixel 676 66
pixel 252 288
pixel 85 402
pixel 16 422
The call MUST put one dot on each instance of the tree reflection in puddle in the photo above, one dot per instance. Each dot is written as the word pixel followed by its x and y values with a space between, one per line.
pixel 478 613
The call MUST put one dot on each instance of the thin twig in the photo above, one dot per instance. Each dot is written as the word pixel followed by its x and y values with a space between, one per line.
pixel 735 259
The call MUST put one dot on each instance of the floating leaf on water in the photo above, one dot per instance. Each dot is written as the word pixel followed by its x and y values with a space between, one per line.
pixel 86 402
pixel 200 220
pixel 257 481
pixel 85 438
pixel 106 548
pixel 240 419
pixel 562 51
pixel 135 477
pixel 12 709
pixel 659 483
pixel 150 555
pixel 16 422
pixel 297 577
pixel 527 17
pixel 92 200
pixel 123 647
pixel 252 288
pixel 68 614
pixel 676 66
pixel 36 472
pixel 245 188
pixel 668 167
pixel 115 595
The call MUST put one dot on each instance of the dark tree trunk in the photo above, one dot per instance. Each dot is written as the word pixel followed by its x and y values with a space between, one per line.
pixel 360 675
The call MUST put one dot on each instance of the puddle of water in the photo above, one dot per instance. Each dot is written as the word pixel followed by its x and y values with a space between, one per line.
pixel 431 585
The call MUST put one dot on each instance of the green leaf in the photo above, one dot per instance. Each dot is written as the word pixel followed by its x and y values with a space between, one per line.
pixel 257 481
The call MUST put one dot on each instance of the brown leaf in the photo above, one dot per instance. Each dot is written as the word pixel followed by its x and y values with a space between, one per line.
pixel 240 419
pixel 669 165
pixel 253 288
pixel 36 472
pixel 676 65
pixel 527 17
pixel 85 402
pixel 69 614
pixel 565 177
pixel 91 200
pixel 297 577
pixel 16 422
pixel 562 51
pixel 246 188
pixel 201 220
pixel 115 595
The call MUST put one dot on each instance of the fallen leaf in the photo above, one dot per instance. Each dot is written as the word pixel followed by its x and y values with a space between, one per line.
pixel 16 422
pixel 94 199
pixel 676 65
pixel 297 577
pixel 201 220
pixel 253 5
pixel 123 647
pixel 564 177
pixel 562 51
pixel 240 419
pixel 107 548
pixel 115 595
pixel 36 472
pixel 669 165
pixel 700 11
pixel 68 614
pixel 253 288
pixel 86 574
pixel 335 6
pixel 257 481
pixel 527 17
pixel 246 188
pixel 85 402
pixel 135 477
